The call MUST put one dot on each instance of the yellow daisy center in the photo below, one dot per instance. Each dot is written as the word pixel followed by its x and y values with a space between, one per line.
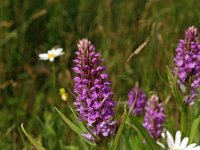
pixel 51 55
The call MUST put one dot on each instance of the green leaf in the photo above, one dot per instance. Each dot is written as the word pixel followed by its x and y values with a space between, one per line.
pixel 161 79
pixel 37 145
pixel 178 98
pixel 117 136
pixel 123 120
pixel 118 105
pixel 73 126
pixel 152 144
pixel 194 128
pixel 128 123
pixel 175 89
pixel 74 114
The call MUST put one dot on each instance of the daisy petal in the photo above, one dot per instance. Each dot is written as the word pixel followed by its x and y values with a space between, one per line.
pixel 62 53
pixel 196 148
pixel 170 140
pixel 43 56
pixel 161 145
pixel 177 139
pixel 51 59
pixel 190 147
pixel 51 51
pixel 163 135
pixel 184 143
pixel 59 51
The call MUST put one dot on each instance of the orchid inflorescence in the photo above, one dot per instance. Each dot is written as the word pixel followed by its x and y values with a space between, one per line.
pixel 93 92
pixel 187 63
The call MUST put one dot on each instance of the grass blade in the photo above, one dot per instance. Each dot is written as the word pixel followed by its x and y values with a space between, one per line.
pixel 73 126
pixel 175 90
pixel 37 145
pixel 194 128
pixel 152 144
pixel 173 80
pixel 128 123
pixel 116 139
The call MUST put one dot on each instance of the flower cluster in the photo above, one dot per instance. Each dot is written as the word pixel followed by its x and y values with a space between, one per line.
pixel 154 117
pixel 140 97
pixel 187 62
pixel 93 92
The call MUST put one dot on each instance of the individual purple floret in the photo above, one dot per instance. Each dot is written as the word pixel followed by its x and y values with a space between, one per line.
pixel 187 62
pixel 93 92
pixel 154 117
pixel 140 100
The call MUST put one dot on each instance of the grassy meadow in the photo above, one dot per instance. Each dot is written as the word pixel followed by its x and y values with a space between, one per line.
pixel 117 28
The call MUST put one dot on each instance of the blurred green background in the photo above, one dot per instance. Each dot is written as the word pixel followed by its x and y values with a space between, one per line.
pixel 115 27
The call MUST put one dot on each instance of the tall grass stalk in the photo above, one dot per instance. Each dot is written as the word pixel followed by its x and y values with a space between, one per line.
pixel 53 76
pixel 184 121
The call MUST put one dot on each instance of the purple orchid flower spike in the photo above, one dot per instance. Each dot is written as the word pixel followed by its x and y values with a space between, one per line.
pixel 154 117
pixel 94 102
pixel 187 62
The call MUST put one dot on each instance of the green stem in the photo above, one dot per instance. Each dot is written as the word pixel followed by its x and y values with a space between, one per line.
pixel 183 121
pixel 102 146
pixel 53 76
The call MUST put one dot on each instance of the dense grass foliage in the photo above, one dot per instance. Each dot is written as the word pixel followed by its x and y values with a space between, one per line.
pixel 117 28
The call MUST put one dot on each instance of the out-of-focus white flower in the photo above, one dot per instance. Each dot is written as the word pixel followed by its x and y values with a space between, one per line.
pixel 177 144
pixel 51 54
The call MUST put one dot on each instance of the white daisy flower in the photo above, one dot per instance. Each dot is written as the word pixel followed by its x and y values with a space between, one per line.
pixel 51 54
pixel 177 144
